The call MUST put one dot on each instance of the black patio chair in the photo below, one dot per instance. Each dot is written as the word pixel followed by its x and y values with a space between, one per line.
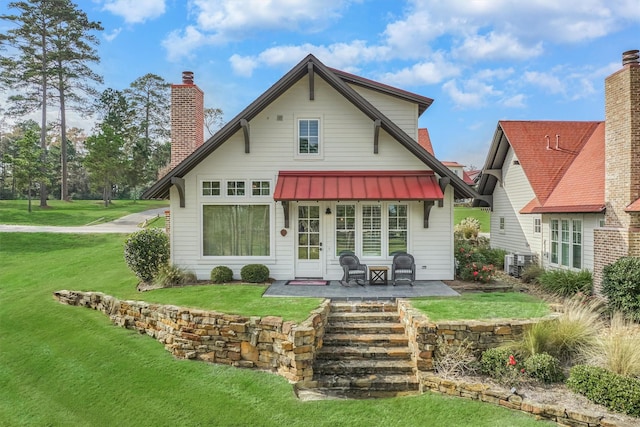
pixel 403 268
pixel 353 270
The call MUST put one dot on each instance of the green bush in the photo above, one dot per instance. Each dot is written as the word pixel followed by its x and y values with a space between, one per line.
pixel 170 275
pixel 468 228
pixel 566 283
pixel 544 367
pixel 471 262
pixel 221 274
pixel 254 273
pixel 618 393
pixel 145 251
pixel 501 364
pixel 621 286
pixel 494 256
pixel 531 273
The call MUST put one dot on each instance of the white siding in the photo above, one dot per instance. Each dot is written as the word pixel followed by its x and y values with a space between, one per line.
pixel 347 144
pixel 508 199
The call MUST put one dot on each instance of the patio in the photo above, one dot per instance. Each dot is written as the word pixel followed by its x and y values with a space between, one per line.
pixel 426 288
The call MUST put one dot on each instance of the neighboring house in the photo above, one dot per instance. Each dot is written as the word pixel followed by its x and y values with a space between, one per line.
pixel 467 176
pixel 547 182
pixel 321 163
pixel 569 192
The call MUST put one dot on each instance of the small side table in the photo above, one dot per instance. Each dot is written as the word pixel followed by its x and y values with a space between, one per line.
pixel 378 275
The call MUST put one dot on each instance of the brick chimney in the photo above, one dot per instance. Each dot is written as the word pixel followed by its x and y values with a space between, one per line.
pixel 187 118
pixel 621 235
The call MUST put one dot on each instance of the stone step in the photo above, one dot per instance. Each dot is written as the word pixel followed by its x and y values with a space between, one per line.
pixel 366 340
pixel 365 306
pixel 363 316
pixel 362 352
pixel 367 386
pixel 358 367
pixel 360 328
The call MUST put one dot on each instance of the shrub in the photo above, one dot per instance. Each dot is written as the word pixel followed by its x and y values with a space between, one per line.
pixel 471 262
pixel 452 360
pixel 566 283
pixel 254 273
pixel 616 392
pixel 145 251
pixel 221 274
pixel 544 367
pixel 494 257
pixel 170 275
pixel 468 228
pixel 621 286
pixel 501 364
pixel 531 273
pixel 538 338
pixel 618 348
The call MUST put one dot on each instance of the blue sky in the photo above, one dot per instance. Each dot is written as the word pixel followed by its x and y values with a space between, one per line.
pixel 480 60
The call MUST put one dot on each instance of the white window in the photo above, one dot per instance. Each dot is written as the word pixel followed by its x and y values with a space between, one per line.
pixel 566 243
pixel 235 188
pixel 260 188
pixel 210 188
pixel 501 223
pixel 377 230
pixel 537 225
pixel 308 136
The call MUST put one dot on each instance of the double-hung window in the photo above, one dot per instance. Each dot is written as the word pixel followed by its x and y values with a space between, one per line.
pixel 308 136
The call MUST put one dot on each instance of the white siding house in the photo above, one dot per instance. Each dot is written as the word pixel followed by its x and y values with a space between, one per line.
pixel 321 163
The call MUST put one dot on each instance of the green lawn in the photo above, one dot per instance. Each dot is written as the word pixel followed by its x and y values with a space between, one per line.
pixel 482 306
pixel 77 212
pixel 462 212
pixel 69 366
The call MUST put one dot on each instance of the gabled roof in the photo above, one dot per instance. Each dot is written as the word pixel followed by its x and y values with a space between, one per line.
pixel 337 80
pixel 425 141
pixel 563 162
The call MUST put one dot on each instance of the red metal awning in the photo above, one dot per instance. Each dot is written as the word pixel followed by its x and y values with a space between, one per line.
pixel 357 185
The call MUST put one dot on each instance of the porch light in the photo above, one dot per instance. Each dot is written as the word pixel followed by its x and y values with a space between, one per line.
pixel 328 211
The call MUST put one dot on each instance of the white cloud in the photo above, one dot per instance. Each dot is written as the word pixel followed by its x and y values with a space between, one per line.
pixel 428 72
pixel 243 65
pixel 136 11
pixel 180 44
pixel 112 35
pixel 473 94
pixel 237 17
pixel 496 46
pixel 515 101
pixel 545 80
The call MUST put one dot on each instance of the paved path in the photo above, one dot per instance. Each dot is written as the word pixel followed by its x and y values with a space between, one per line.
pixel 127 224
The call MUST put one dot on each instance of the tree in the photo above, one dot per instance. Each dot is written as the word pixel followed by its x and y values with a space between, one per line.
pixel 72 52
pixel 213 120
pixel 105 159
pixel 26 162
pixel 29 70
pixel 149 96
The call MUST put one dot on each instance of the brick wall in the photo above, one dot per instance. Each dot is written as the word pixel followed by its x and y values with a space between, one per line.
pixel 187 120
pixel 622 169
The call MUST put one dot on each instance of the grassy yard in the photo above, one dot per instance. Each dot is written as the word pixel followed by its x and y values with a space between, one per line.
pixel 77 212
pixel 462 212
pixel 68 366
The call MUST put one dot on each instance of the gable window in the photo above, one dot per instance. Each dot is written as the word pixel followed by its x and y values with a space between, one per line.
pixel 235 188
pixel 210 188
pixel 397 232
pixel 537 225
pixel 566 242
pixel 236 230
pixel 501 226
pixel 308 136
pixel 260 188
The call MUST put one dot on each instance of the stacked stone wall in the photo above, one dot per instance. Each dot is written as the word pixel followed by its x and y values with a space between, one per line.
pixel 266 343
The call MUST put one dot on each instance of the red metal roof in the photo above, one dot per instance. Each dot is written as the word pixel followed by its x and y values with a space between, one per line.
pixel 357 185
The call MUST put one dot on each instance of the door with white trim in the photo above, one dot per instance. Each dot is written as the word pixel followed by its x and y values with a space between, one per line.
pixel 309 253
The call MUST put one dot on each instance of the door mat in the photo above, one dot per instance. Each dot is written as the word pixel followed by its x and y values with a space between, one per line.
pixel 307 283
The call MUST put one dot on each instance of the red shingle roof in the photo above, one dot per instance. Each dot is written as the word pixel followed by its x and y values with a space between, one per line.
pixel 425 140
pixel 563 161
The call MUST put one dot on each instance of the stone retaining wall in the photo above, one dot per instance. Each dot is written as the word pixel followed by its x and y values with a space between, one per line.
pixel 265 343
pixel 425 335
pixel 559 414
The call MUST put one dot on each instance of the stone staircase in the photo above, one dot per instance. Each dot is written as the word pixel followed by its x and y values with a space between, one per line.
pixel 365 353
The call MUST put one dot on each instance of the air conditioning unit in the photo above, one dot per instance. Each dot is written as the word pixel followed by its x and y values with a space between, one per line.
pixel 523 260
pixel 508 262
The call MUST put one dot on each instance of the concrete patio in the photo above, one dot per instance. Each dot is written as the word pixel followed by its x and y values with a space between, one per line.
pixel 429 288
